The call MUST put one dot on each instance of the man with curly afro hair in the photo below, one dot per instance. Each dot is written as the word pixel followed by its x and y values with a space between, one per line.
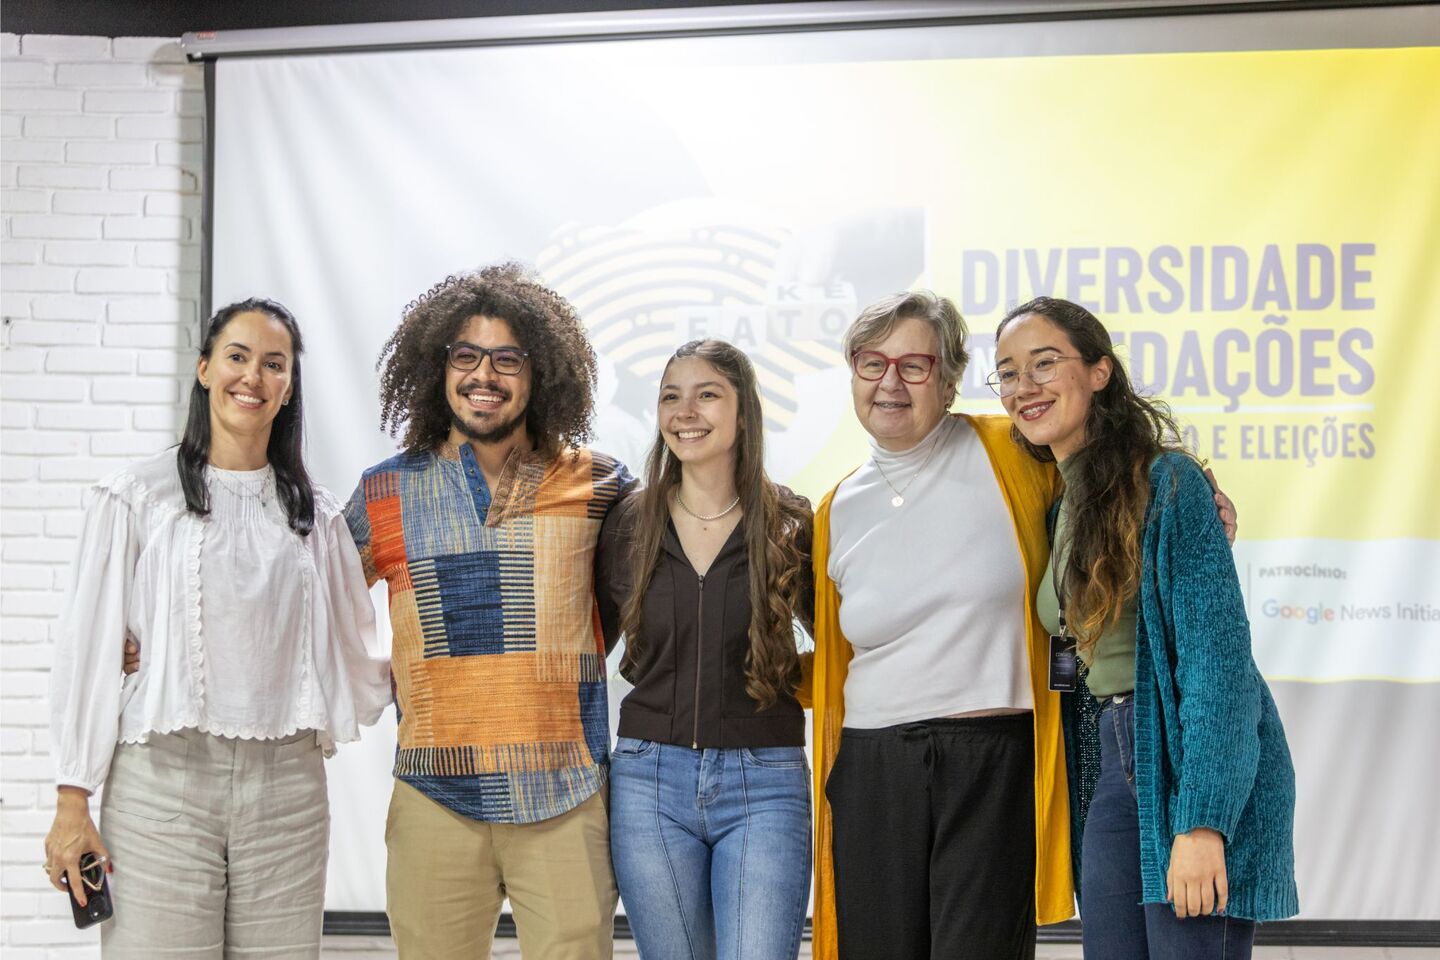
pixel 484 530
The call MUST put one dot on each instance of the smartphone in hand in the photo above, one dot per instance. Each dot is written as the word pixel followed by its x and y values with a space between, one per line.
pixel 98 905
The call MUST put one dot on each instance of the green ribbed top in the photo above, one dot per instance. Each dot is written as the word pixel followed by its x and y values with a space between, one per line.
pixel 1111 661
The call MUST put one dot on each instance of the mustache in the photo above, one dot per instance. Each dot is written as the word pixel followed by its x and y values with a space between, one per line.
pixel 489 386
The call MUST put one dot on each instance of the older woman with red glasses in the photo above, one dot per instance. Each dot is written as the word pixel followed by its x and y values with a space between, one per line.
pixel 943 822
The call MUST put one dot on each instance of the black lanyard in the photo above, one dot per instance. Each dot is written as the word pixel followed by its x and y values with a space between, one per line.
pixel 1064 668
pixel 1055 576
pixel 1059 594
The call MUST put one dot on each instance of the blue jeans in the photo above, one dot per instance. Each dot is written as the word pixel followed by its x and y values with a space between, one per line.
pixel 711 849
pixel 1115 925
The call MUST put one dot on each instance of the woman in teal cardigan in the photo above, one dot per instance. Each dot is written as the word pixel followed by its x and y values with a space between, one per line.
pixel 1187 806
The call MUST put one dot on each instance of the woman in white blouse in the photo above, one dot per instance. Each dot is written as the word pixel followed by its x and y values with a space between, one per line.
pixel 240 581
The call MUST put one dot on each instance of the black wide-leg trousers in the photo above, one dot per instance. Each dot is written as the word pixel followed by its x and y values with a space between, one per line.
pixel 934 840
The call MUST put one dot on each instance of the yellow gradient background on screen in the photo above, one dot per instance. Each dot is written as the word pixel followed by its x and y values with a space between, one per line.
pixel 1333 148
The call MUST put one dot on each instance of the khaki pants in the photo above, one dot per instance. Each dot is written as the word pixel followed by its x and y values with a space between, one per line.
pixel 219 848
pixel 448 876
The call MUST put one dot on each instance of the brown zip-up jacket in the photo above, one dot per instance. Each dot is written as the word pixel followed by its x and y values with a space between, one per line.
pixel 690 678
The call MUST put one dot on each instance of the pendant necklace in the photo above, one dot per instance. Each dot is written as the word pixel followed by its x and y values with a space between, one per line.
pixel 899 499
pixel 242 490
pixel 703 519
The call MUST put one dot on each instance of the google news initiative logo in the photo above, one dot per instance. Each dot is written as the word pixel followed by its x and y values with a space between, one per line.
pixel 1317 613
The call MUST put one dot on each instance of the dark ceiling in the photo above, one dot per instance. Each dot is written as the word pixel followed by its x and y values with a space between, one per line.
pixel 170 18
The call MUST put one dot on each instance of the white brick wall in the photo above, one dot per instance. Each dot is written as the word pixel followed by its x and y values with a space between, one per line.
pixel 101 165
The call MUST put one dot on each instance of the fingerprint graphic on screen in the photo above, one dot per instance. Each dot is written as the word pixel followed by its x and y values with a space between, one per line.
pixel 694 270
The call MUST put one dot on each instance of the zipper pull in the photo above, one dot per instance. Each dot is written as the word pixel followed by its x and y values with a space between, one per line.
pixel 700 578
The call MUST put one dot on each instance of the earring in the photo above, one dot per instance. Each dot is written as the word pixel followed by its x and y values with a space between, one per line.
pixel 285 402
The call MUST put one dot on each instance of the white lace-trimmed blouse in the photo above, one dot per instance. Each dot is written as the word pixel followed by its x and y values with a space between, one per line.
pixel 246 629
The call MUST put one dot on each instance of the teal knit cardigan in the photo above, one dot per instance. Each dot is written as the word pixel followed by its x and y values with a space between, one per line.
pixel 1209 747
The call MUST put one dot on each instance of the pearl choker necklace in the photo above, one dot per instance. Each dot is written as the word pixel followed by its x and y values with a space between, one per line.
pixel 733 504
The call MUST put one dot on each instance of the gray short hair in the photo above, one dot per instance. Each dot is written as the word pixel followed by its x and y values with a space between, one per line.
pixel 876 322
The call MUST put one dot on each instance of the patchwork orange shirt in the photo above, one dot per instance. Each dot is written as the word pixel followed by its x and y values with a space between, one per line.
pixel 498 654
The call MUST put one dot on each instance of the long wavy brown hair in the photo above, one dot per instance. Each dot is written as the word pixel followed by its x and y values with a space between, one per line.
pixel 412 362
pixel 773 525
pixel 1109 488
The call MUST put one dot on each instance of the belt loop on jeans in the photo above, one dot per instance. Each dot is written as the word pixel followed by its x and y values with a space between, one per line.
pixel 1113 700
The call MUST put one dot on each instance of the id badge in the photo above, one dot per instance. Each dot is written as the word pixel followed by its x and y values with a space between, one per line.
pixel 1063 665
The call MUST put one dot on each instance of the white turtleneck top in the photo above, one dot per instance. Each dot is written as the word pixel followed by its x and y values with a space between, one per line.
pixel 932 593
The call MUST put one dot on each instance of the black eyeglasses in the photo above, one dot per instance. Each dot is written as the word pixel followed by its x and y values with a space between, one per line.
pixel 506 361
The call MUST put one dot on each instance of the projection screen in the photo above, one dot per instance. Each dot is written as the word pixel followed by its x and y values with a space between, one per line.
pixel 1249 201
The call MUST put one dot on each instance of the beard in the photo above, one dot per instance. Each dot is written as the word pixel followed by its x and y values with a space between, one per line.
pixel 492 435
pixel 495 434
